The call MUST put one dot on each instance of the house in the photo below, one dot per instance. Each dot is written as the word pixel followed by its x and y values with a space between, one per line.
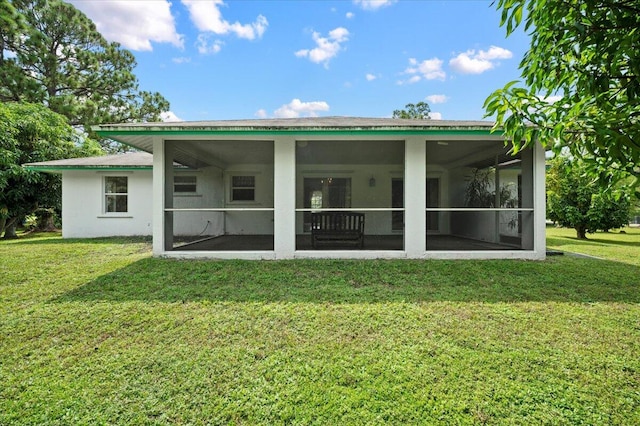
pixel 252 188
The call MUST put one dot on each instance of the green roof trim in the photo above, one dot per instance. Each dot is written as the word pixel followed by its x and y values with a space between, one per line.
pixel 302 132
pixel 96 168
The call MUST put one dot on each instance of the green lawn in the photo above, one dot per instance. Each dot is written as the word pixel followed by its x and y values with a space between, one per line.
pixel 616 246
pixel 97 332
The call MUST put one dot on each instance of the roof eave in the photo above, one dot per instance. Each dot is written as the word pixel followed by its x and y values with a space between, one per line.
pixel 60 169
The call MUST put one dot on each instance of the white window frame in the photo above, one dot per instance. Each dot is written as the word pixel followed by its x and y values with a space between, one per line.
pixel 114 194
pixel 232 187
pixel 195 184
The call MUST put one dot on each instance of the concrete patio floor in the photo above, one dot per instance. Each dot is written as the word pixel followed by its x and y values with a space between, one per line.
pixel 371 242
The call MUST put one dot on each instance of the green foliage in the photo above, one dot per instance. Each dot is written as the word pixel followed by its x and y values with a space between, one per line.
pixel 43 220
pixel 32 133
pixel 62 61
pixel 10 21
pixel 576 200
pixel 480 191
pixel 97 332
pixel 586 54
pixel 419 111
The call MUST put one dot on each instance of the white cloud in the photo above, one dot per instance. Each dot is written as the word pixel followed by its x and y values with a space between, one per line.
pixel 297 108
pixel 435 115
pixel 370 77
pixel 437 99
pixel 551 99
pixel 181 60
pixel 134 24
pixel 261 113
pixel 326 47
pixel 206 46
pixel 350 15
pixel 373 4
pixel 206 16
pixel 429 69
pixel 169 117
pixel 470 62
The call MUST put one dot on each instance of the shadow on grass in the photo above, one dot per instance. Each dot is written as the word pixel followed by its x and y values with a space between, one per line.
pixel 561 279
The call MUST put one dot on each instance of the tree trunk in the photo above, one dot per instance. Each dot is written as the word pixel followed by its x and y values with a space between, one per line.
pixel 581 233
pixel 48 224
pixel 10 229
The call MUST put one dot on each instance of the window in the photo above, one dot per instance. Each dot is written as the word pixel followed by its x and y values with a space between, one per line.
pixel 185 184
pixel 243 188
pixel 115 194
pixel 327 193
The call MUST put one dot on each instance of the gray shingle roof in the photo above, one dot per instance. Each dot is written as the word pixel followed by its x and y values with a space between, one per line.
pixel 305 123
pixel 128 160
pixel 140 135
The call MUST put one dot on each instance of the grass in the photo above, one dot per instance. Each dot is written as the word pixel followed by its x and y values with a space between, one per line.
pixel 98 332
pixel 616 246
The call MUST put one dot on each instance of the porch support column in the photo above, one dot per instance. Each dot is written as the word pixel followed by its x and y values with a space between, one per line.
pixel 158 197
pixel 284 197
pixel 415 197
pixel 539 201
pixel 168 195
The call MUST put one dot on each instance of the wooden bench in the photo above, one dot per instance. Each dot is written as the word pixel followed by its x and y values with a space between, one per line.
pixel 337 228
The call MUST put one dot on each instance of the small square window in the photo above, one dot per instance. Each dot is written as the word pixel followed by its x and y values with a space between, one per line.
pixel 115 194
pixel 243 188
pixel 185 184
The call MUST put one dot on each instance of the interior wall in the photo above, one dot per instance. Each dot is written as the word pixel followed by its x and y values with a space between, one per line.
pixel 250 222
pixel 363 195
pixel 209 193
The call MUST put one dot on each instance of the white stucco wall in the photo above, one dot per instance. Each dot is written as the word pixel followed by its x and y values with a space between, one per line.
pixel 250 223
pixel 209 193
pixel 83 212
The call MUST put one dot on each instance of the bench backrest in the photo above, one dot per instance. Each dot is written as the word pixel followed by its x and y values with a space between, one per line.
pixel 337 221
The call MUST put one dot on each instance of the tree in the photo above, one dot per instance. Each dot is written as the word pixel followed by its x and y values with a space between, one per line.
pixel 31 133
pixel 585 56
pixel 576 201
pixel 419 111
pixel 60 60
pixel 11 22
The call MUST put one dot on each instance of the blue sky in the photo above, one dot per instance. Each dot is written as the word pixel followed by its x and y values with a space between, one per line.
pixel 256 59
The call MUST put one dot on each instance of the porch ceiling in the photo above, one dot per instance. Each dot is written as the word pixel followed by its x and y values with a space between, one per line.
pixel 221 153
pixel 224 153
pixel 477 154
pixel 350 152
